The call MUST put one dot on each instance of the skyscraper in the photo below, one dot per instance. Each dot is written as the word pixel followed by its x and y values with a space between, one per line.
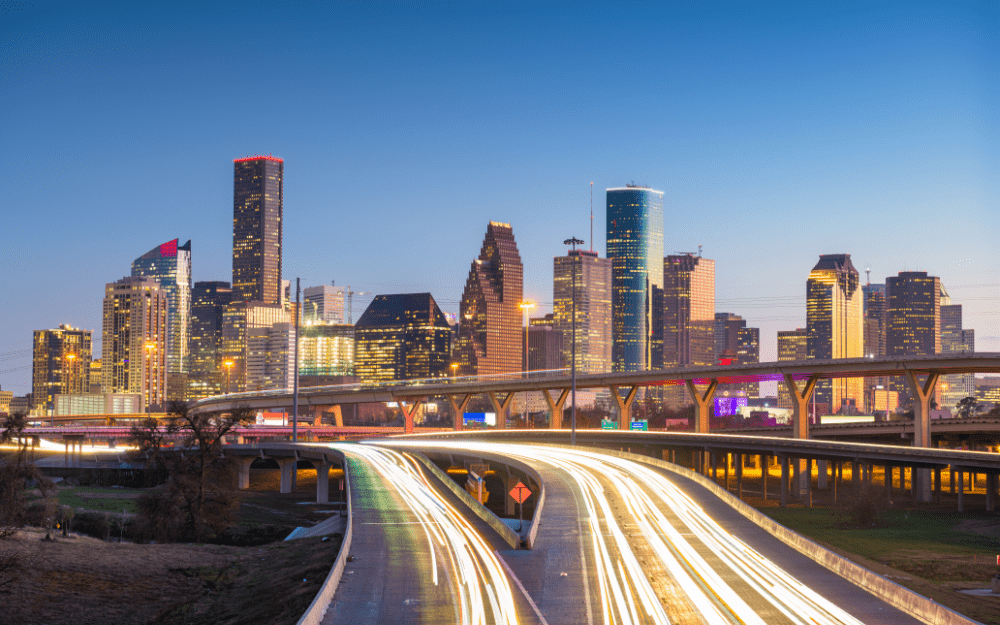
pixel 546 344
pixel 270 361
pixel 954 340
pixel 240 320
pixel 913 314
pixel 792 345
pixel 60 365
pixel 402 337
pixel 688 317
pixel 489 336
pixel 635 247
pixel 206 375
pixel 322 304
pixel 257 228
pixel 134 339
pixel 726 332
pixel 170 265
pixel 593 309
pixel 835 327
pixel 326 350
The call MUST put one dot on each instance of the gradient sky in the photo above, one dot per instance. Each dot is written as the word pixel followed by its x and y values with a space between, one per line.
pixel 778 132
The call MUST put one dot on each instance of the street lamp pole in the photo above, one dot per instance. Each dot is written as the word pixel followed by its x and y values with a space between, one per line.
pixel 228 364
pixel 295 384
pixel 574 242
pixel 526 306
pixel 150 347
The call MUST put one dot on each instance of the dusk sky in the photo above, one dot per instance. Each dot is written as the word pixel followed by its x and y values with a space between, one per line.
pixel 777 131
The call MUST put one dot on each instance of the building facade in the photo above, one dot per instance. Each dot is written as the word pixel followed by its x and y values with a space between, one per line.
pixel 270 354
pixel 635 247
pixel 913 322
pixel 170 265
pixel 257 229
pixel 134 339
pixel 593 309
pixel 792 345
pixel 239 321
pixel 688 317
pixel 546 345
pixel 726 328
pixel 834 322
pixel 955 340
pixel 326 349
pixel 205 371
pixel 60 364
pixel 489 336
pixel 403 337
pixel 323 304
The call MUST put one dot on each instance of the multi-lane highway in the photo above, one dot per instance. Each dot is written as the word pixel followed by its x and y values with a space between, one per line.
pixel 622 542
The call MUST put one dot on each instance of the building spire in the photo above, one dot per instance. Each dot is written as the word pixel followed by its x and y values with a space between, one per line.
pixel 591 216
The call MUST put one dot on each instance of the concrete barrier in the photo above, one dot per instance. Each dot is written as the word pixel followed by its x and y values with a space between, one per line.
pixel 916 605
pixel 509 536
pixel 317 609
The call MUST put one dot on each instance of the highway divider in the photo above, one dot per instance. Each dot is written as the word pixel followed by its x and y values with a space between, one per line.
pixel 914 604
pixel 317 609
pixel 508 535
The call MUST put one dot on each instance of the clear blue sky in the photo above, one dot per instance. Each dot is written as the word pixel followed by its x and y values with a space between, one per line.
pixel 778 131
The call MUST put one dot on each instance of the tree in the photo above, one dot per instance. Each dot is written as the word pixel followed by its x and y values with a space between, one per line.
pixel 17 474
pixel 967 407
pixel 198 500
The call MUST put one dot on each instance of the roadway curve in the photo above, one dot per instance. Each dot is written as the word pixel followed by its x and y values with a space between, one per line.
pixel 623 542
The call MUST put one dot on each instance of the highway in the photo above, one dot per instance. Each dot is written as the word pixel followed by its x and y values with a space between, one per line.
pixel 641 549
pixel 416 558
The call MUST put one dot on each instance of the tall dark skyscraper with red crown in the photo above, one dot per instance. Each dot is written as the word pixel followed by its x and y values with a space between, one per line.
pixel 257 215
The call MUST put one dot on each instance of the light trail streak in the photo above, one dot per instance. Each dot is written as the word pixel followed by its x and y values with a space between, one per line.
pixel 479 583
pixel 625 593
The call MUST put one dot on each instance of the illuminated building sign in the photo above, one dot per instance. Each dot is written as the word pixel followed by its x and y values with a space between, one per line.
pixel 729 406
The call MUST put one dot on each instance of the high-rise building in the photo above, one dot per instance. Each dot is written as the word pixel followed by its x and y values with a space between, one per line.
pixel 792 345
pixel 688 317
pixel 834 322
pixel 403 337
pixel 955 340
pixel 546 344
pixel 170 265
pixel 322 304
pixel 874 337
pixel 270 361
pixel 134 339
pixel 635 247
pixel 725 336
pixel 593 309
pixel 60 365
pixel 748 352
pixel 257 229
pixel 913 315
pixel 94 377
pixel 326 350
pixel 205 371
pixel 489 336
pixel 239 321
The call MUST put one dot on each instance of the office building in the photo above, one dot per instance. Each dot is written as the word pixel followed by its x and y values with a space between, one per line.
pixel 635 247
pixel 94 376
pixel 874 337
pixel 270 354
pixel 170 265
pixel 322 304
pixel 205 372
pixel 792 345
pixel 98 403
pixel 239 321
pixel 404 337
pixel 955 340
pixel 257 229
pixel 688 318
pixel 60 364
pixel 5 398
pixel 489 336
pixel 913 322
pixel 546 345
pixel 835 326
pixel 748 352
pixel 134 339
pixel 326 350
pixel 726 328
pixel 593 309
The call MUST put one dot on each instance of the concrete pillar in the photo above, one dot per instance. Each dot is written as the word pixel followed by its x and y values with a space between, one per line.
pixel 408 412
pixel 739 477
pixel 855 481
pixel 809 491
pixel 821 471
pixel 784 481
pixel 501 408
pixel 458 409
pixel 715 467
pixel 764 466
pixel 317 417
pixel 837 469
pixel 287 467
pixel 243 480
pixel 937 484
pixel 624 405
pixel 921 428
pixel 991 487
pixel 961 489
pixel 702 402
pixel 888 482
pixel 556 407
pixel 800 417
pixel 323 482
pixel 725 460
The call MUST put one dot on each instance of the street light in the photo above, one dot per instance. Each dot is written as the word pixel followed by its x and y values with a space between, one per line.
pixel 454 369
pixel 574 242
pixel 526 306
pixel 228 364
pixel 150 348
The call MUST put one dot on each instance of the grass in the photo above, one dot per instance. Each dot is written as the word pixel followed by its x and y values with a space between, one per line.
pixel 115 500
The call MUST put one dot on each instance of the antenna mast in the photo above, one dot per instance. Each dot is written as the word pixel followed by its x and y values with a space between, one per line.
pixel 868 275
pixel 591 216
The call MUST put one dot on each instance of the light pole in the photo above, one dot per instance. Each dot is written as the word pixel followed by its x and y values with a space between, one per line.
pixel 572 440
pixel 67 382
pixel 150 348
pixel 526 306
pixel 454 369
pixel 228 364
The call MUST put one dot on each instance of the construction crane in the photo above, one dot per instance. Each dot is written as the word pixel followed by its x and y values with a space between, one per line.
pixel 350 303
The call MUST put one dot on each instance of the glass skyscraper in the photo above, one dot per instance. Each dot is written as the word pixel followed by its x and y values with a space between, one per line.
pixel 593 309
pixel 257 229
pixel 635 247
pixel 170 265
pixel 913 321
pixel 835 326
pixel 208 302
pixel 60 365
pixel 402 337
pixel 134 339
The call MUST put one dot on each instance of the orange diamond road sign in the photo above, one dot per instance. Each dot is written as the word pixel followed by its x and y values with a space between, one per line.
pixel 520 492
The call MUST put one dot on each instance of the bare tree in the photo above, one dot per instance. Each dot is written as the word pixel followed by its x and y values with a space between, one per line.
pixel 17 473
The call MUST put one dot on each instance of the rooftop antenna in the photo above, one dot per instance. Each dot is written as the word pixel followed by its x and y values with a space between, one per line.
pixel 591 216
pixel 868 275
pixel 699 251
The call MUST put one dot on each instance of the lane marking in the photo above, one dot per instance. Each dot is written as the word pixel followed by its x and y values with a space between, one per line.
pixel 517 581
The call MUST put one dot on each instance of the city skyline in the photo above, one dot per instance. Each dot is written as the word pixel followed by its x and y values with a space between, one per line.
pixel 892 146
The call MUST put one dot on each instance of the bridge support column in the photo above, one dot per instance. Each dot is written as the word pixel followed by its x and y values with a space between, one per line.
pixel 765 465
pixel 458 410
pixel 501 408
pixel 800 415
pixel 809 482
pixel 243 479
pixel 624 405
pixel 739 476
pixel 937 484
pixel 922 428
pixel 991 491
pixel 821 471
pixel 784 481
pixel 961 488
pixel 287 466
pixel 556 407
pixel 888 481
pixel 323 482
pixel 702 401
pixel 408 412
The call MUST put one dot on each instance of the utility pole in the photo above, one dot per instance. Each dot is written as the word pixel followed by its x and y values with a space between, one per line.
pixel 295 381
pixel 574 242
